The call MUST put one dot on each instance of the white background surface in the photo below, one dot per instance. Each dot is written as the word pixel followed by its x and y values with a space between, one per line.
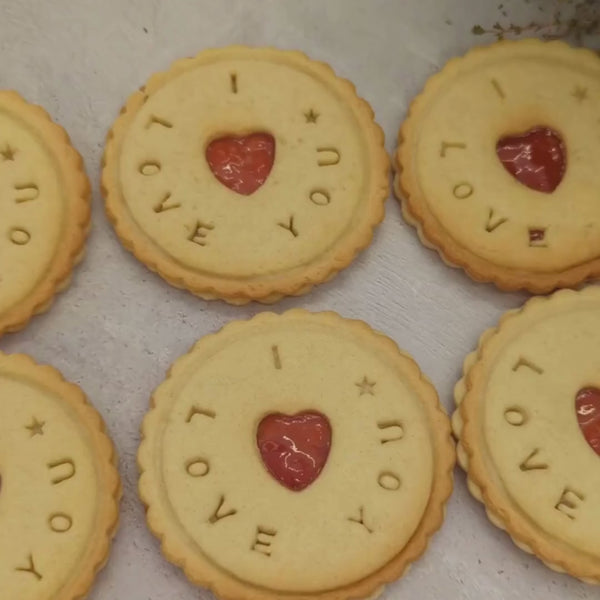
pixel 118 327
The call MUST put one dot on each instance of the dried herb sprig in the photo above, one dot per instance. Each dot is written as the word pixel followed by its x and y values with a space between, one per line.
pixel 573 21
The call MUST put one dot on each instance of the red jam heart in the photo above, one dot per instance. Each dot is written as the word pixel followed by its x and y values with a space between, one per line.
pixel 537 158
pixel 294 448
pixel 242 163
pixel 587 405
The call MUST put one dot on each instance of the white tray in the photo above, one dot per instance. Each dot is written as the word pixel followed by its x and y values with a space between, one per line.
pixel 118 327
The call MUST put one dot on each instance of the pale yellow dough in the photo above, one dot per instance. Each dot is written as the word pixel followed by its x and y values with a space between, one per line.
pixel 59 487
pixel 45 210
pixel 317 549
pixel 23 264
pixel 317 208
pixel 520 441
pixel 460 196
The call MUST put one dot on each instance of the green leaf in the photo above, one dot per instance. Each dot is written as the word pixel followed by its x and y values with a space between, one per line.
pixel 477 30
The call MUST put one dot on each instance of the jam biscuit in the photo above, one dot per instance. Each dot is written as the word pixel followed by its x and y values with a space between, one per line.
pixel 246 174
pixel 45 210
pixel 295 456
pixel 59 487
pixel 528 421
pixel 496 165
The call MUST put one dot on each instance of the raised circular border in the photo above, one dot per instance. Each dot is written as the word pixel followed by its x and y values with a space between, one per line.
pixel 77 213
pixel 479 481
pixel 107 520
pixel 270 289
pixel 228 586
pixel 415 213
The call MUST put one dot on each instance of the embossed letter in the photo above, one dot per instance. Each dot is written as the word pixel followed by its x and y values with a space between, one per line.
pixel 199 233
pixel 30 192
pixel 30 568
pixel 462 190
pixel 60 522
pixel 396 433
pixel 523 362
pixel 498 88
pixel 263 540
pixel 152 120
pixel 150 167
pixel 492 225
pixel 19 236
pixel 199 411
pixel 162 206
pixel 537 237
pixel 515 416
pixel 69 472
pixel 217 515
pixel 530 465
pixel 320 197
pixel 446 145
pixel 332 157
pixel 361 519
pixel 197 467
pixel 290 226
pixel 567 502
pixel 276 357
pixel 389 481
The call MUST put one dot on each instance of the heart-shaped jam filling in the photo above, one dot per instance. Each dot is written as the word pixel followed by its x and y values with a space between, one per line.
pixel 242 163
pixel 536 158
pixel 587 405
pixel 294 449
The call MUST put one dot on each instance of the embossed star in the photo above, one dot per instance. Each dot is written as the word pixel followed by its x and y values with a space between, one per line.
pixel 36 427
pixel 580 93
pixel 8 153
pixel 311 116
pixel 366 387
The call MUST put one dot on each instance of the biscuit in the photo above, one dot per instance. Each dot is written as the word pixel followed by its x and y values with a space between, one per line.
pixel 528 421
pixel 246 174
pixel 295 456
pixel 45 210
pixel 59 486
pixel 496 165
